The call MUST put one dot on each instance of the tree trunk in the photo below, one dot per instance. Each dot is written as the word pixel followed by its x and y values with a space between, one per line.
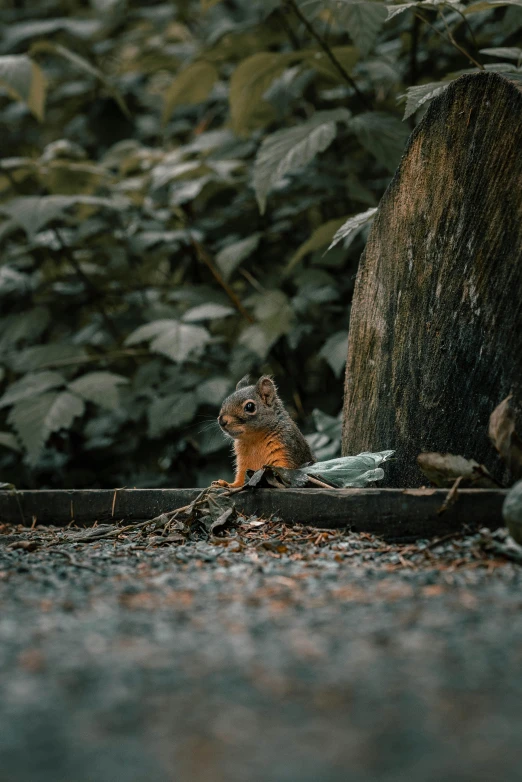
pixel 436 324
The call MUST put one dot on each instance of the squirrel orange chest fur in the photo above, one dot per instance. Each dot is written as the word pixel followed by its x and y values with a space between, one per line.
pixel 259 449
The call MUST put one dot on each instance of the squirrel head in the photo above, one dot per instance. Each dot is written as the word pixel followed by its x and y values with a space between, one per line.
pixel 250 409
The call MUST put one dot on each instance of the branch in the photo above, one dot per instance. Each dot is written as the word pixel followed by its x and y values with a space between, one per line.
pixel 326 49
pixel 457 46
pixel 450 38
pixel 415 30
pixel 205 258
pixel 288 29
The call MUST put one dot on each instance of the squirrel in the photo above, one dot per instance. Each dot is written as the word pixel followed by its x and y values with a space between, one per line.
pixel 263 432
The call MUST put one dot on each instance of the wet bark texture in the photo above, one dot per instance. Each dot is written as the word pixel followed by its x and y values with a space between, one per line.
pixel 436 323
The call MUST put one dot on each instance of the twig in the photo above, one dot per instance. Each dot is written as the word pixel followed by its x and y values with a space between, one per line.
pixel 436 541
pixel 473 39
pixel 451 497
pixel 457 46
pixel 252 280
pixel 326 49
pixel 114 499
pixel 323 485
pixel 163 519
pixel 73 561
pixel 449 38
pixel 205 258
pixel 171 514
pixel 288 29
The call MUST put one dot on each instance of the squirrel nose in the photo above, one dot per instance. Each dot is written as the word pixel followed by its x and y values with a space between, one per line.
pixel 223 421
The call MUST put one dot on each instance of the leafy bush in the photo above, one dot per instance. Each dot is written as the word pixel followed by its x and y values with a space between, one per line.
pixel 172 176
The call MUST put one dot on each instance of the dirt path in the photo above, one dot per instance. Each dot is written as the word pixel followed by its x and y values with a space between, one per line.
pixel 277 654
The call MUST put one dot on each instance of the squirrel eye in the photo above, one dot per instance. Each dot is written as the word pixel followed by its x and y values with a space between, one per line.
pixel 250 407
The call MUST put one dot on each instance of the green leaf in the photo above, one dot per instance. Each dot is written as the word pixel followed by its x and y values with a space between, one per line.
pixel 171 412
pixel 268 304
pixel 37 418
pixel 509 52
pixel 335 350
pixel 22 32
pixel 429 5
pixel 487 5
pixel 325 442
pixel 504 67
pixel 420 94
pixel 383 135
pixel 100 388
pixel 171 338
pixel 8 440
pixel 33 384
pixel 249 82
pixel 188 191
pixel 191 86
pixel 211 440
pixel 347 56
pixel 42 356
pixel 287 150
pixel 25 326
pixel 363 22
pixel 276 317
pixel 327 424
pixel 149 330
pixel 395 10
pixel 213 391
pixel 349 230
pixel 48 47
pixel 259 338
pixel 229 258
pixel 207 312
pixel 24 81
pixel 319 238
pixel 33 212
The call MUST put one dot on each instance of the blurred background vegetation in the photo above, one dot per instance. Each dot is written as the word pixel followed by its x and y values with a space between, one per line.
pixel 171 176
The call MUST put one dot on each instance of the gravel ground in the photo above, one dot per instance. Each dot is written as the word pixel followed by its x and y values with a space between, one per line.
pixel 271 653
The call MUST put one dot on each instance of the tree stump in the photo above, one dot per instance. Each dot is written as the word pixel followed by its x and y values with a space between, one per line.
pixel 435 339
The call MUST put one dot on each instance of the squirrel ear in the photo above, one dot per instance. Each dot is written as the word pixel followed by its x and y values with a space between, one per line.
pixel 245 381
pixel 266 389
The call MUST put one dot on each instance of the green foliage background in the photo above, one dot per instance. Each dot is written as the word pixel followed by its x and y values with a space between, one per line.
pixel 172 175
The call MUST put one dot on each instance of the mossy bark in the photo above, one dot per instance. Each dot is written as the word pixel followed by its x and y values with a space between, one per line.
pixel 436 324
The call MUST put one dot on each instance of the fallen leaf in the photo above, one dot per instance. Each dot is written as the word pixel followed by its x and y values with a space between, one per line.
pixel 276 477
pixel 254 478
pixel 222 519
pixel 443 469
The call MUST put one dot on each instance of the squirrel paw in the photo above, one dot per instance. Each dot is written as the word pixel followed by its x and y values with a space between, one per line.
pixel 221 482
